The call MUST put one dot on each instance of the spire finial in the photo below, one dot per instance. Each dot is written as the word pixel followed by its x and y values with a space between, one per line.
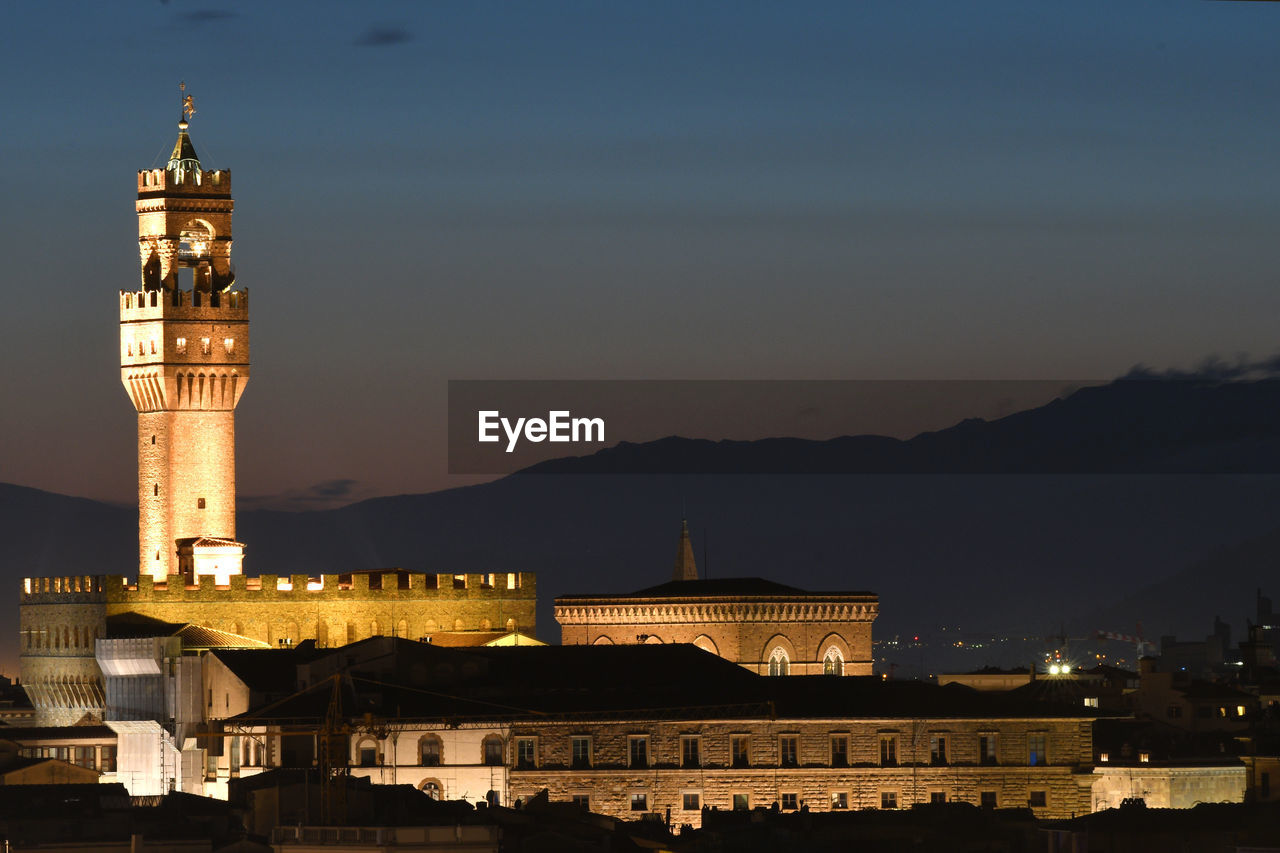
pixel 188 105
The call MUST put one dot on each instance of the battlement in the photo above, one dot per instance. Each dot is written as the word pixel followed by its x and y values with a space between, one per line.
pixel 153 182
pixel 183 305
pixel 391 585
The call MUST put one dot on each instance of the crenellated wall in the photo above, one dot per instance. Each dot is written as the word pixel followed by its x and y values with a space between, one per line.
pixel 61 617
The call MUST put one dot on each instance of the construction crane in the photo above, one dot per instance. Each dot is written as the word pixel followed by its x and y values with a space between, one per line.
pixel 1141 646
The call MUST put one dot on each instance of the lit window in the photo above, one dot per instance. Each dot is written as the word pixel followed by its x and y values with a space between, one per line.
pixel 229 344
pixel 1144 757
pixel 833 663
pixel 204 346
pixel 888 799
pixel 691 802
pixel 180 344
pixel 1239 710
pixel 1104 757
pixel 1091 701
pixel 639 802
pixel 788 751
pixel 839 799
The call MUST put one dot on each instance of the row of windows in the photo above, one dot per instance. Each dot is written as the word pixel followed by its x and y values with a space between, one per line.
pixel 180 346
pixel 691 801
pixel 431 752
pixel 101 758
pixel 780 662
pixel 66 637
pixel 740 750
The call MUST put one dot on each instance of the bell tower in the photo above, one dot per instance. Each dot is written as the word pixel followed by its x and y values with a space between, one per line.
pixel 184 361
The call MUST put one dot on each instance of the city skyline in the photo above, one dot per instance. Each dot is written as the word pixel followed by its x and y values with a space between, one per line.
pixel 569 191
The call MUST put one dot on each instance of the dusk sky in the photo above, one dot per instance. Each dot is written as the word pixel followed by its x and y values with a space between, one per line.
pixel 658 190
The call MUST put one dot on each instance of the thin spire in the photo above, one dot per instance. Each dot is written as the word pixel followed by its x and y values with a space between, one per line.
pixel 686 568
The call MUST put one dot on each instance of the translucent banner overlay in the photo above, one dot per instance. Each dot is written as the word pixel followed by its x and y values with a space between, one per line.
pixel 863 426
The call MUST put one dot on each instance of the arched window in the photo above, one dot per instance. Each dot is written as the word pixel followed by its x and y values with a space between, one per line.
pixel 779 664
pixel 431 788
pixel 492 750
pixel 367 753
pixel 833 663
pixel 430 751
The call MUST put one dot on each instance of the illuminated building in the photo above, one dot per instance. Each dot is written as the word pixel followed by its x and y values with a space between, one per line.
pixel 767 627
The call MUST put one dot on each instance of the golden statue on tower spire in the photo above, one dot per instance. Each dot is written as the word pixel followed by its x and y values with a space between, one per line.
pixel 188 102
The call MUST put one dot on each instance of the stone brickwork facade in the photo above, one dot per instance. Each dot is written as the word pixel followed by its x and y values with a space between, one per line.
pixel 782 631
pixel 61 617
pixel 1058 786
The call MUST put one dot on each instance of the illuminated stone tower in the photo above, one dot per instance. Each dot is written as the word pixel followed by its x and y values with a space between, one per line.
pixel 184 361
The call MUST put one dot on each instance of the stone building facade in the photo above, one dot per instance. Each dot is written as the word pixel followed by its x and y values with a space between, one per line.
pixel 848 762
pixel 656 731
pixel 767 627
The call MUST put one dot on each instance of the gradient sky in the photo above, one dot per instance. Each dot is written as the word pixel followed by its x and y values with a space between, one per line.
pixel 428 191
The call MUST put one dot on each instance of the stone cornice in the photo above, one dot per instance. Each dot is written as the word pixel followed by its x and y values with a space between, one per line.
pixel 683 611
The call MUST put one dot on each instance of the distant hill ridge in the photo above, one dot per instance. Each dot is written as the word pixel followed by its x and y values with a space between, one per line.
pixel 1130 426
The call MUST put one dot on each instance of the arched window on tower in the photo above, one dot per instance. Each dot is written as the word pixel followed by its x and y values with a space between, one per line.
pixel 779 663
pixel 833 662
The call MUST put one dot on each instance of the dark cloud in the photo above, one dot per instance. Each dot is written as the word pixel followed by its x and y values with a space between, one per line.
pixel 204 16
pixel 1214 368
pixel 323 495
pixel 384 36
pixel 330 489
